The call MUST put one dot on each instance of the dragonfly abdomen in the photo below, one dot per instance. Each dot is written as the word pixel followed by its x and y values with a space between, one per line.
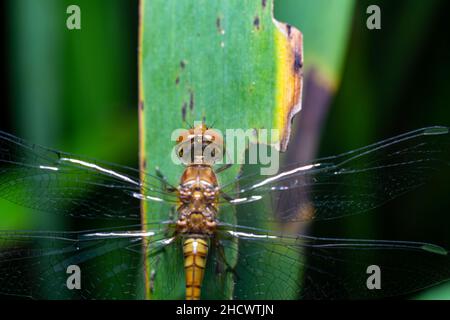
pixel 195 253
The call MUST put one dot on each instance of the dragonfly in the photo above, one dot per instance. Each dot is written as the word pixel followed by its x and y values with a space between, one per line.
pixel 257 254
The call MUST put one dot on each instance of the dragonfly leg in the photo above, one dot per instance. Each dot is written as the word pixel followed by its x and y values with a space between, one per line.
pixel 152 281
pixel 172 213
pixel 165 182
pixel 226 196
pixel 224 167
pixel 221 253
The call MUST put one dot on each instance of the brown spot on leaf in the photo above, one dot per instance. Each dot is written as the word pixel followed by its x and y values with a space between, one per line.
pixel 263 3
pixel 141 105
pixel 298 62
pixel 289 29
pixel 256 22
pixel 191 101
pixel 177 80
pixel 183 111
pixel 144 164
pixel 218 24
pixel 182 64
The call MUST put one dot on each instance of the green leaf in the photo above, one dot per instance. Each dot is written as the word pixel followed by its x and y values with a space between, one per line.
pixel 441 292
pixel 227 62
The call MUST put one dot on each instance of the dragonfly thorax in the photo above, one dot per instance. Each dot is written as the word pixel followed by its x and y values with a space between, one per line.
pixel 196 223
pixel 198 195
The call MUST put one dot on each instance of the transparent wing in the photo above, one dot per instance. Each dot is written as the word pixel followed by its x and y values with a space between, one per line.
pixel 342 185
pixel 57 182
pixel 111 262
pixel 280 266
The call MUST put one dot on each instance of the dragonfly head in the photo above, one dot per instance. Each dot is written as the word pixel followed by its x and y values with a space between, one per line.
pixel 200 145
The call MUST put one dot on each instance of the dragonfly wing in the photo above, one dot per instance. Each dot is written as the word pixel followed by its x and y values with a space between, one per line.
pixel 277 266
pixel 347 184
pixel 110 262
pixel 57 182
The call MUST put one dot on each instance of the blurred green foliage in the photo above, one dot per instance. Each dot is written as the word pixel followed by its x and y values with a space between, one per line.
pixel 76 91
pixel 72 90
pixel 394 80
pixel 325 25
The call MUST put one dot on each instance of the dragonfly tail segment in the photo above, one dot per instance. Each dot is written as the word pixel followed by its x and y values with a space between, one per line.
pixel 195 253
